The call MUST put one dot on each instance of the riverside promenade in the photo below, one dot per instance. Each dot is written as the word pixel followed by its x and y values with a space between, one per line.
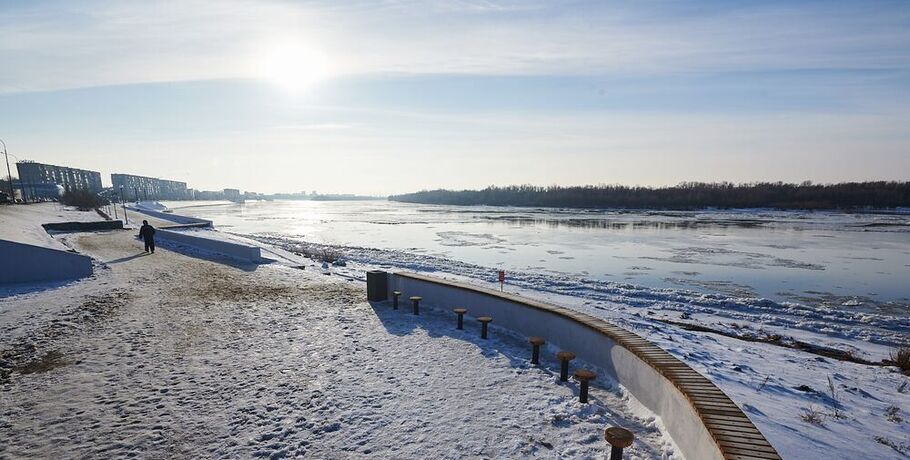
pixel 187 355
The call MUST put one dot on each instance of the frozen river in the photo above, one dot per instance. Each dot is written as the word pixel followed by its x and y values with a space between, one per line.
pixel 852 261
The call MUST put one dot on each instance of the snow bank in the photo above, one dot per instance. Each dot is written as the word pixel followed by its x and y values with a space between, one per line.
pixel 29 254
pixel 152 206
pixel 23 223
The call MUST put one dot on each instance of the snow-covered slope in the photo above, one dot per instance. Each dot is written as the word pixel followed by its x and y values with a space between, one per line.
pixel 22 223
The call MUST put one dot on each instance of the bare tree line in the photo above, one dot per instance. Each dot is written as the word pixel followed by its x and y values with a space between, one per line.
pixel 687 195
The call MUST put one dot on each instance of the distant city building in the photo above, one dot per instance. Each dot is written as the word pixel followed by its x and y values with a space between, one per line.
pixel 209 195
pixel 138 188
pixel 41 181
pixel 232 194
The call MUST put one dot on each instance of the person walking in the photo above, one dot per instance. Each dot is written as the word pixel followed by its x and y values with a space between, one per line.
pixel 147 232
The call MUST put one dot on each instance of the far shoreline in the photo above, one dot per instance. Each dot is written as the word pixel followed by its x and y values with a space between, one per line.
pixel 687 196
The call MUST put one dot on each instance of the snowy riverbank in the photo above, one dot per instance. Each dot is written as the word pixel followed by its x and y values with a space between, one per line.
pixel 184 354
pixel 785 391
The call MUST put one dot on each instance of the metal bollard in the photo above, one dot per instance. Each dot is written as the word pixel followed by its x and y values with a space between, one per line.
pixel 584 376
pixel 416 301
pixel 484 320
pixel 564 358
pixel 619 439
pixel 395 296
pixel 377 286
pixel 460 312
pixel 536 342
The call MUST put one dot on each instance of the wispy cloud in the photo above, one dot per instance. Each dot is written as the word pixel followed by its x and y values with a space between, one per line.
pixel 58 45
pixel 463 92
pixel 314 127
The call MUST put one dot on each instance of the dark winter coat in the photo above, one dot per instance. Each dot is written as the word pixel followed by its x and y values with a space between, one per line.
pixel 147 232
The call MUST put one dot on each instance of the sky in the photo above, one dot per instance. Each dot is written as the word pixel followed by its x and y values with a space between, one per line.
pixel 382 97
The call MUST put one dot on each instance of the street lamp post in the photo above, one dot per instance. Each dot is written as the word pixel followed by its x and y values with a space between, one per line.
pixel 9 175
pixel 123 203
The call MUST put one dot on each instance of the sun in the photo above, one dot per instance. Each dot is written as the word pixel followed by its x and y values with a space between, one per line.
pixel 293 65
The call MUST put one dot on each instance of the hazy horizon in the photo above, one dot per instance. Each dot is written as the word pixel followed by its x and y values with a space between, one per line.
pixel 380 98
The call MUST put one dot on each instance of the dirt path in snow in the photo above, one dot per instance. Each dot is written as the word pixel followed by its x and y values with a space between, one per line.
pixel 174 356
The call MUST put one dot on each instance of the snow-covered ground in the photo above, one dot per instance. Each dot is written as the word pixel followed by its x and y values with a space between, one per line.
pixel 778 387
pixel 22 223
pixel 182 354
pixel 781 389
pixel 786 392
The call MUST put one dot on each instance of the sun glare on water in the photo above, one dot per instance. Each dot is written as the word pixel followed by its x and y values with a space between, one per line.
pixel 293 65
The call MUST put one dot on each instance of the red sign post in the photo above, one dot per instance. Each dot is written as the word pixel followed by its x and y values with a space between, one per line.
pixel 502 279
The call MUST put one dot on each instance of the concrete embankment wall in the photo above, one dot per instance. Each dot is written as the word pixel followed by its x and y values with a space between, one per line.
pixel 700 418
pixel 84 226
pixel 196 240
pixel 27 263
pixel 171 216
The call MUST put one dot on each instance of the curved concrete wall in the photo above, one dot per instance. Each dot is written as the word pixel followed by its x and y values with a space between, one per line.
pixel 190 238
pixel 700 418
pixel 26 263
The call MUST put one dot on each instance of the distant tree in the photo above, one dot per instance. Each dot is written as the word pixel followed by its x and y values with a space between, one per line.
pixel 686 195
pixel 82 199
pixel 4 184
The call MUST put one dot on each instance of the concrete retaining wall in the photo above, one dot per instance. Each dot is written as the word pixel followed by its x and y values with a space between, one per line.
pixel 228 248
pixel 700 418
pixel 84 226
pixel 26 263
pixel 171 216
